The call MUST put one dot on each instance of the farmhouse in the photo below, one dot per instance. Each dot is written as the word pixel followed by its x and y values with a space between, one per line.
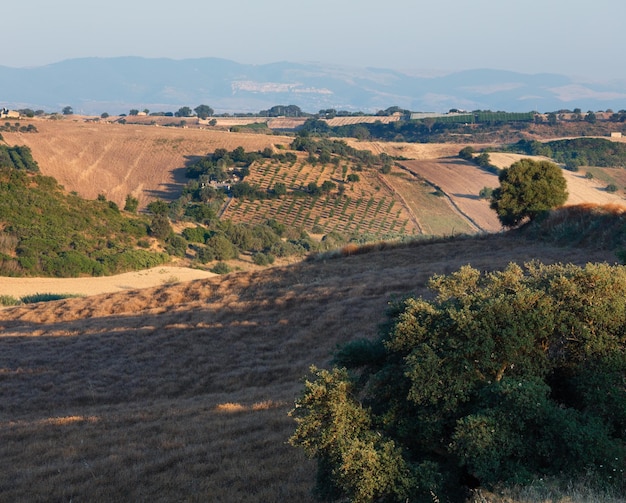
pixel 5 113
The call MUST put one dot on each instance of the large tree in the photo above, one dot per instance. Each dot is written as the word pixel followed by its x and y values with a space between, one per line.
pixel 203 111
pixel 527 189
pixel 501 378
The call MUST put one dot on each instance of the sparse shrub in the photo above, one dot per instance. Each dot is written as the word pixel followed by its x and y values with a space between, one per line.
pixel 611 187
pixel 131 204
pixel 46 297
pixel 485 193
pixel 221 268
pixel 8 300
pixel 263 259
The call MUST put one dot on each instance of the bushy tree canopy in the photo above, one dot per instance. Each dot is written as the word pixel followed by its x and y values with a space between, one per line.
pixel 527 189
pixel 501 378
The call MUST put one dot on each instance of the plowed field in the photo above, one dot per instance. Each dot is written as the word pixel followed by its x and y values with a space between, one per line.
pixel 460 182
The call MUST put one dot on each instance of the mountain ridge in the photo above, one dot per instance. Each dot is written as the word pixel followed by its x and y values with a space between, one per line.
pixel 115 85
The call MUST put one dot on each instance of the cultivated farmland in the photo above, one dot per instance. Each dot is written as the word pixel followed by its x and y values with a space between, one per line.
pixel 368 206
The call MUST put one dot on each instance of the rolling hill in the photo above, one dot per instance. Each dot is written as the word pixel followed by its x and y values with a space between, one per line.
pixel 116 85
pixel 181 392
pixel 148 162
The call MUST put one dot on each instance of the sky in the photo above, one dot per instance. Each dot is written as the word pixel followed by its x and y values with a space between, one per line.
pixel 578 38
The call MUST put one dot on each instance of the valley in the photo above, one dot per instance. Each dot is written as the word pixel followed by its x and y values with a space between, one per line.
pixel 175 383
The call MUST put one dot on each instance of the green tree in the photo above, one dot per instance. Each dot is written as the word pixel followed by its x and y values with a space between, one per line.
pixel 160 227
pixel 184 112
pixel 527 189
pixel 131 204
pixel 501 378
pixel 280 189
pixel 159 207
pixel 467 153
pixel 203 111
pixel 68 110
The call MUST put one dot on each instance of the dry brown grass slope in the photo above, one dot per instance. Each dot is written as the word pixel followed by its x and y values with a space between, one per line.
pixel 116 160
pixel 181 392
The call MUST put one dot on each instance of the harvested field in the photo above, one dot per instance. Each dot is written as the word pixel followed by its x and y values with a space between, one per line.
pixel 580 188
pixel 407 150
pixel 367 119
pixel 461 182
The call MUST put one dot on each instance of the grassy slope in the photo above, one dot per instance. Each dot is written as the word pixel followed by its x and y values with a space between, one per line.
pixel 181 393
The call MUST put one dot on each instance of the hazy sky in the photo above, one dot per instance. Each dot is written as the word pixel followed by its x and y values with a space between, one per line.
pixel 574 37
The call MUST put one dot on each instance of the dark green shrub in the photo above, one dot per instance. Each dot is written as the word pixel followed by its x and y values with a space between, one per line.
pixel 221 247
pixel 485 193
pixel 196 234
pixel 160 227
pixel 176 246
pixel 467 153
pixel 263 259
pixel 71 264
pixel 46 297
pixel 500 379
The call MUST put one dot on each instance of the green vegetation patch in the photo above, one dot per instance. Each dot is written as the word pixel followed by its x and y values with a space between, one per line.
pixel 577 152
pixel 46 232
pixel 500 379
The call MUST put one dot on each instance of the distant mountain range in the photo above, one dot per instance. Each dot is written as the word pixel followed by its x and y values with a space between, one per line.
pixel 116 85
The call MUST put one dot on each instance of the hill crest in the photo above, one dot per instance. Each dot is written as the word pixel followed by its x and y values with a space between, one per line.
pixel 116 85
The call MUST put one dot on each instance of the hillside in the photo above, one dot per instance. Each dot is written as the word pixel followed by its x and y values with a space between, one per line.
pixel 147 162
pixel 181 392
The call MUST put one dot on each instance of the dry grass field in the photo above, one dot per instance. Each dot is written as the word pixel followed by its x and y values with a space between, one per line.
pixel 181 392
pixel 461 182
pixel 145 161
